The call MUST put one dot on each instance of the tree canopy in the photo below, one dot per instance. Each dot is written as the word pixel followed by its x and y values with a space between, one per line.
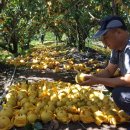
pixel 20 20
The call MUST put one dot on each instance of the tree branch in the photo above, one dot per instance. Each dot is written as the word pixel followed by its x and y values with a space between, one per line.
pixel 93 17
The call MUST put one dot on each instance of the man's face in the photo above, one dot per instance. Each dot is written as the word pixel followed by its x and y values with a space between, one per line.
pixel 110 39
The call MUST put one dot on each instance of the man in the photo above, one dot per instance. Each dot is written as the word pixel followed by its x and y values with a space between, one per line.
pixel 42 38
pixel 113 33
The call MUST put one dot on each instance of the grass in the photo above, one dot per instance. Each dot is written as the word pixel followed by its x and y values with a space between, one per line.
pixel 4 55
pixel 50 40
pixel 49 36
pixel 98 46
pixel 102 50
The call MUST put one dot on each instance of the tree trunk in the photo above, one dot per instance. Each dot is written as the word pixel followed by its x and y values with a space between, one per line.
pixel 114 8
pixel 2 4
pixel 13 45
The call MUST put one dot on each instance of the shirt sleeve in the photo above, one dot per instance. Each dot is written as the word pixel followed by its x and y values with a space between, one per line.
pixel 114 58
pixel 127 60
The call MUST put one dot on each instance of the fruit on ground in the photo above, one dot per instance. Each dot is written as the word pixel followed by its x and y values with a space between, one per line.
pixel 5 123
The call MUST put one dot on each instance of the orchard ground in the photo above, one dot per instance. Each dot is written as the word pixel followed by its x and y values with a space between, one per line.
pixel 10 74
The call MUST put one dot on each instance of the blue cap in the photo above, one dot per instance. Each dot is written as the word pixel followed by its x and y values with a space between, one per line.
pixel 110 22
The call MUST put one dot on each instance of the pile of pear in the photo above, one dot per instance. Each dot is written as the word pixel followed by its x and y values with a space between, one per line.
pixel 47 58
pixel 26 102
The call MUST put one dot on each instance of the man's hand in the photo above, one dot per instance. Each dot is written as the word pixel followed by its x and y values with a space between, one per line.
pixel 103 77
pixel 89 80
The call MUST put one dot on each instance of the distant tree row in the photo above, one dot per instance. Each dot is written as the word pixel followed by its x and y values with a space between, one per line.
pixel 21 20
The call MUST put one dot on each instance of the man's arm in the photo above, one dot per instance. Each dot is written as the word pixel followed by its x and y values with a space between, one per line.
pixel 105 78
pixel 112 82
pixel 108 71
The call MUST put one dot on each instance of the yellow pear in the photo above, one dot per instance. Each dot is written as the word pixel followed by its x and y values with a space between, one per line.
pixel 75 117
pixel 32 117
pixel 86 116
pixel 62 116
pixel 20 120
pixel 5 123
pixel 80 77
pixel 46 116
pixel 7 111
pixel 100 117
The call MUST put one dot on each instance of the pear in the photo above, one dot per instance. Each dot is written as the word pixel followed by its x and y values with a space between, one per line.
pixel 7 111
pixel 100 117
pixel 80 77
pixel 32 117
pixel 46 116
pixel 20 120
pixel 62 116
pixel 5 123
pixel 86 116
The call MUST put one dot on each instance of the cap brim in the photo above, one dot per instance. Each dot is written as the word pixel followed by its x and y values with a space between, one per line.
pixel 100 33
